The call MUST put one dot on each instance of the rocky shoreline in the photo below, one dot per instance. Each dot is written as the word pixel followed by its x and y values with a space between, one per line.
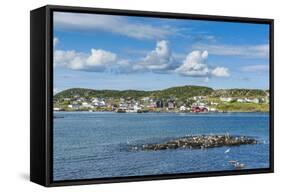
pixel 198 142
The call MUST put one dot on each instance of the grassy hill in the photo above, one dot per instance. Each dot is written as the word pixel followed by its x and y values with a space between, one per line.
pixel 182 92
pixel 173 92
pixel 89 93
pixel 239 93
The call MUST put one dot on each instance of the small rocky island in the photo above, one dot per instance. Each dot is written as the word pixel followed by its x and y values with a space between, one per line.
pixel 198 142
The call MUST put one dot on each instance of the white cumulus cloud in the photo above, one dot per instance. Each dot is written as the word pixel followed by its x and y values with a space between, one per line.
pixel 195 65
pixel 68 58
pixel 158 59
pixel 98 60
pixel 220 72
pixel 100 57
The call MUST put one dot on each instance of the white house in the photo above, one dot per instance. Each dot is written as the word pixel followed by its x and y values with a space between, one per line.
pixel 212 109
pixel 198 98
pixel 183 108
pixel 145 99
pixel 85 104
pixel 133 109
pixel 241 100
pixel 98 102
pixel 214 103
pixel 74 106
pixel 137 107
pixel 102 103
pixel 255 100
pixel 95 100
pixel 123 106
pixel 226 99
pixel 56 109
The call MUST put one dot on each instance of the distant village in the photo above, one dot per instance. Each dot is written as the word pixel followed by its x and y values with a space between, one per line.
pixel 196 104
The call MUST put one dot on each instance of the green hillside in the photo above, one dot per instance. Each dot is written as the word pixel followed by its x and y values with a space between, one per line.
pixel 89 93
pixel 239 93
pixel 182 92
pixel 174 92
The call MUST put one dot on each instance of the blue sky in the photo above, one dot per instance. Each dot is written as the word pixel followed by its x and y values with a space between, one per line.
pixel 125 52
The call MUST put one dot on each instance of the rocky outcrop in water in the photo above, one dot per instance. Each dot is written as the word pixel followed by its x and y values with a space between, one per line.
pixel 199 142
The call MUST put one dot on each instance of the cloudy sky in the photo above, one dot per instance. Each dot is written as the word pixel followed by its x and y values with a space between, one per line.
pixel 125 52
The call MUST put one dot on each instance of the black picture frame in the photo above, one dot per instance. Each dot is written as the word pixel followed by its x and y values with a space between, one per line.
pixel 41 93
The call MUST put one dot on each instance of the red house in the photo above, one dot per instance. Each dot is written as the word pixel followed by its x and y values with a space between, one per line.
pixel 199 109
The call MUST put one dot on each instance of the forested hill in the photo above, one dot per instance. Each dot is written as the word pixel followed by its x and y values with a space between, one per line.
pixel 173 92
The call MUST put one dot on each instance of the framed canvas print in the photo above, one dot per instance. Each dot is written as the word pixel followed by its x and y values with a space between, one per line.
pixel 119 95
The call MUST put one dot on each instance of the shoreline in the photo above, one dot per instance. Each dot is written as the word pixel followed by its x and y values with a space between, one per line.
pixel 163 112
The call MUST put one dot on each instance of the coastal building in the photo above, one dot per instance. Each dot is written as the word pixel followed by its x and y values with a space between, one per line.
pixel 85 104
pixel 75 102
pixel 159 104
pixel 152 105
pixel 183 108
pixel 134 109
pixel 57 109
pixel 98 102
pixel 255 100
pixel 264 100
pixel 95 100
pixel 199 107
pixel 214 103
pixel 145 99
pixel 196 98
pixel 102 104
pixel 171 104
pixel 212 109
pixel 241 100
pixel 79 100
pixel 226 99
pixel 74 106
pixel 123 106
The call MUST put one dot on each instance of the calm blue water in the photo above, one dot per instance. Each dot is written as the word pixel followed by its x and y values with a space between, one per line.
pixel 95 145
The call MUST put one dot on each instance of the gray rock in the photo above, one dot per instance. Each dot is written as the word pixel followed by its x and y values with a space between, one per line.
pixel 200 142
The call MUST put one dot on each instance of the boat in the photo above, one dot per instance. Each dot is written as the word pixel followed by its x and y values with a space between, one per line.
pixel 237 164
